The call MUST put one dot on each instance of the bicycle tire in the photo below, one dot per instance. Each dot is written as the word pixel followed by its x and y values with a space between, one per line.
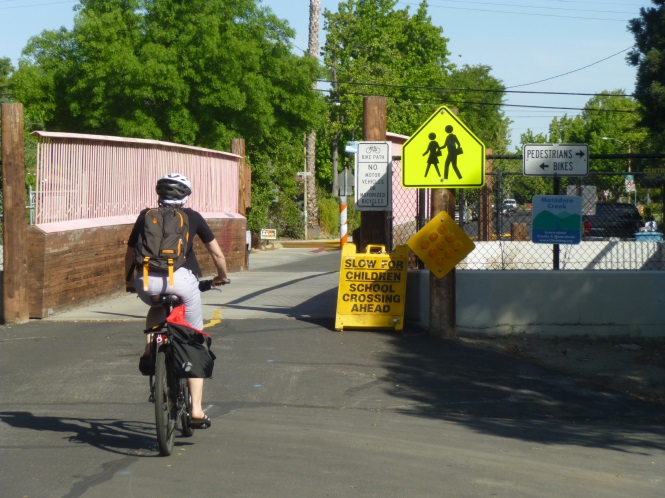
pixel 165 406
pixel 186 408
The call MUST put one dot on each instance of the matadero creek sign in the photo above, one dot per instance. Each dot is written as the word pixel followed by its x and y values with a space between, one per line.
pixel 372 288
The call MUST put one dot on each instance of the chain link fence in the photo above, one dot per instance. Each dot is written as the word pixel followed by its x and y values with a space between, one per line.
pixel 622 222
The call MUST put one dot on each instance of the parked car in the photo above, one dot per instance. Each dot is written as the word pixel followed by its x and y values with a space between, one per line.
pixel 467 215
pixel 613 219
pixel 508 206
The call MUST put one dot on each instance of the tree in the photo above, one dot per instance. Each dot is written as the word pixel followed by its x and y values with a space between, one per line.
pixel 648 55
pixel 609 124
pixel 405 58
pixel 310 141
pixel 199 72
pixel 6 70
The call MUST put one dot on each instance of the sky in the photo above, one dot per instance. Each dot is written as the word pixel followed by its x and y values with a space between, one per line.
pixel 543 46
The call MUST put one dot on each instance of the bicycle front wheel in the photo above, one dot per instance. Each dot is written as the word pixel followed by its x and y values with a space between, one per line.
pixel 165 405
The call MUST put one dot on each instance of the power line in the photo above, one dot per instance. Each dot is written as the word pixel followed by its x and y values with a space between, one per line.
pixel 573 71
pixel 35 5
pixel 417 103
pixel 523 13
pixel 539 7
pixel 479 90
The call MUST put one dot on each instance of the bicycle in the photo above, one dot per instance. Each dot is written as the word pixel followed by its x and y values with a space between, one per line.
pixel 168 391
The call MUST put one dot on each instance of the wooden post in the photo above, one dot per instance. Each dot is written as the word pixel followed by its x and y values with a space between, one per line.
pixel 374 227
pixel 15 274
pixel 442 295
pixel 442 318
pixel 485 203
pixel 244 176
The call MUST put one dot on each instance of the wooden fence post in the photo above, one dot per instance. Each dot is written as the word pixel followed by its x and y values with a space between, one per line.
pixel 15 274
pixel 244 176
pixel 485 202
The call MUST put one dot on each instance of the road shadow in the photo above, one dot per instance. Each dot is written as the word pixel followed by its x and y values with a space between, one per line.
pixel 128 438
pixel 501 395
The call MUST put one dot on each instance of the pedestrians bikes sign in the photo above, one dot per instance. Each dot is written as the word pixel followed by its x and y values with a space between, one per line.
pixel 443 153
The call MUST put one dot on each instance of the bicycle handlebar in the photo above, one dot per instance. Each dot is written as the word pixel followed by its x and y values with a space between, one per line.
pixel 204 286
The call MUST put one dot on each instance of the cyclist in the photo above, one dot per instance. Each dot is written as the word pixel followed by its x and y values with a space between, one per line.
pixel 174 189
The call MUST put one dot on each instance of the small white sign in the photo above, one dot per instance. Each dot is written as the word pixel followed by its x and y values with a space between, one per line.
pixel 555 159
pixel 373 177
pixel 268 234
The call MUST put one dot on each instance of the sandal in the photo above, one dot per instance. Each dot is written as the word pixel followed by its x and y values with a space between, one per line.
pixel 200 423
pixel 145 367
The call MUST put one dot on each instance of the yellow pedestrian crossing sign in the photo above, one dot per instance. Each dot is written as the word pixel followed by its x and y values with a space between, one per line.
pixel 443 153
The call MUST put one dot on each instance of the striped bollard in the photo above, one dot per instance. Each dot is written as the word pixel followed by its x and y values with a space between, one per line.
pixel 343 226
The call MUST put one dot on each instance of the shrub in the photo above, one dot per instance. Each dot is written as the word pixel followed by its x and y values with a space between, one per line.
pixel 329 214
pixel 287 218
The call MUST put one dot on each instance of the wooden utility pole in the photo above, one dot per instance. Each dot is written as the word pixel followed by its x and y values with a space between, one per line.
pixel 310 140
pixel 15 230
pixel 442 295
pixel 374 227
pixel 442 318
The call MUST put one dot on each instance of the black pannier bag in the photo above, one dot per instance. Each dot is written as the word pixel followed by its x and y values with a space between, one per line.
pixel 191 347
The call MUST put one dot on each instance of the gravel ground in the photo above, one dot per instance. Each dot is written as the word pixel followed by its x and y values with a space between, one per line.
pixel 635 367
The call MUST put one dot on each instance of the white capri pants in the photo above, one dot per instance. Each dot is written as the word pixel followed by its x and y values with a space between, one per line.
pixel 186 286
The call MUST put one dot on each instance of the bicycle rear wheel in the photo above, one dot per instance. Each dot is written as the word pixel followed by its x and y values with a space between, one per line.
pixel 165 405
pixel 186 408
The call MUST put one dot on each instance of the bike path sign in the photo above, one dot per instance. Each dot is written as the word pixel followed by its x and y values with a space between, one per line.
pixel 443 153
pixel 373 177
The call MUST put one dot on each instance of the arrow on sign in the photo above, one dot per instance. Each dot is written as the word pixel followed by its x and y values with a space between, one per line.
pixel 544 166
pixel 579 154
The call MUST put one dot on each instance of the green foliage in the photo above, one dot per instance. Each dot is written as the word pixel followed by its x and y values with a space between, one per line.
pixel 329 216
pixel 405 58
pixel 200 73
pixel 648 55
pixel 609 125
pixel 399 48
pixel 489 123
pixel 6 69
pixel 287 218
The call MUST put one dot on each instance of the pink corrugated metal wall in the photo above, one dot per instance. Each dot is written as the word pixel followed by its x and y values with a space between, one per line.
pixel 87 177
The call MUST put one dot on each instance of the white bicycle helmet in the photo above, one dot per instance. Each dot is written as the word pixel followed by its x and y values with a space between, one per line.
pixel 173 188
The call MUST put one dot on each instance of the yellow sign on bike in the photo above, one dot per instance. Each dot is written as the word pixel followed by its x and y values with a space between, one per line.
pixel 372 288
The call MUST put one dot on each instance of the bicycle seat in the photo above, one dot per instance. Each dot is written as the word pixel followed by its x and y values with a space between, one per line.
pixel 170 299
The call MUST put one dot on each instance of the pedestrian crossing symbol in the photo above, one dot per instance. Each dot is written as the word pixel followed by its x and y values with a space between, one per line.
pixel 443 153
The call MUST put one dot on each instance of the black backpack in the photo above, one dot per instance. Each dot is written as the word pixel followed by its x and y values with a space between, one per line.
pixel 163 243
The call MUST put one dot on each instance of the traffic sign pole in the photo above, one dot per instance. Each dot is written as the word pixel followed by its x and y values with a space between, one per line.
pixel 342 222
pixel 442 291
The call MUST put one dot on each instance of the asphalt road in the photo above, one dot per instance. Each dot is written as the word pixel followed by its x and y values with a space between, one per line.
pixel 300 410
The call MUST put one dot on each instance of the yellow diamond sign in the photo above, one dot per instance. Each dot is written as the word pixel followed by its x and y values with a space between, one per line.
pixel 441 244
pixel 443 153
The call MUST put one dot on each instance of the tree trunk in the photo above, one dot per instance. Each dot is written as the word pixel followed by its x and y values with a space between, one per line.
pixel 310 144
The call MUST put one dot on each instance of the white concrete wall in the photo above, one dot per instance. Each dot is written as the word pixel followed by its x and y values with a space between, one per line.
pixel 552 303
